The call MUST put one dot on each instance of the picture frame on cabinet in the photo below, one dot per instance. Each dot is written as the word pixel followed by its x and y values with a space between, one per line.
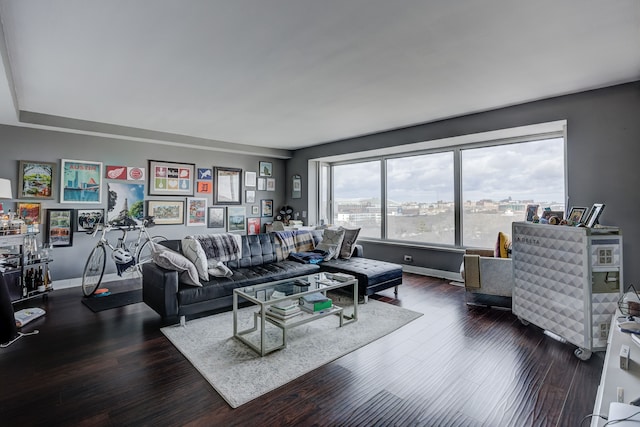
pixel 576 214
pixel 36 179
pixel 594 215
pixel 530 212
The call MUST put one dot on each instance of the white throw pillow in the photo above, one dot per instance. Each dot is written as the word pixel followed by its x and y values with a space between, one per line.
pixel 333 237
pixel 329 249
pixel 349 242
pixel 192 249
pixel 172 260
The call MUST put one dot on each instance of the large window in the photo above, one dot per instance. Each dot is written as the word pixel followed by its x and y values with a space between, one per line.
pixel 499 182
pixel 420 195
pixel 462 194
pixel 357 197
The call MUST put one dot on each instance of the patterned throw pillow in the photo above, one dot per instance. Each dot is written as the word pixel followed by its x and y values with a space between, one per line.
pixel 349 242
pixel 172 260
pixel 192 249
pixel 333 237
pixel 503 244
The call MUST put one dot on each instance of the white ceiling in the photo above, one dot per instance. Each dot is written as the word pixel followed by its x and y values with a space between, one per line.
pixel 286 74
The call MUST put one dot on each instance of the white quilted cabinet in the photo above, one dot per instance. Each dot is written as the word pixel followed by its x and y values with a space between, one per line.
pixel 568 281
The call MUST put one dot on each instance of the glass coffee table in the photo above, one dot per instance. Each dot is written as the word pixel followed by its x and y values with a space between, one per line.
pixel 279 305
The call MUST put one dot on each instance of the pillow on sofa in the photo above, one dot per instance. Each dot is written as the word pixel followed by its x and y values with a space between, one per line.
pixel 331 250
pixel 192 249
pixel 503 244
pixel 172 260
pixel 349 242
pixel 332 236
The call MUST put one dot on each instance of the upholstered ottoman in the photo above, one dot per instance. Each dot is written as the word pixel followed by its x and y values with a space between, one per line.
pixel 373 275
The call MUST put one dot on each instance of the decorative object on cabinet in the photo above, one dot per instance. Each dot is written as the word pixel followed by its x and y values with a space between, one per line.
pixel 216 218
pixel 568 281
pixel 576 214
pixel 296 187
pixel 285 214
pixel 266 169
pixel 36 179
pixel 236 218
pixel 81 181
pixel 227 186
pixel 59 227
pixel 171 179
pixel 594 214
pixel 166 212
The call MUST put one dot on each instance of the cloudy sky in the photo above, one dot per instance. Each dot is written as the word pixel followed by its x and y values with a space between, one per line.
pixel 525 171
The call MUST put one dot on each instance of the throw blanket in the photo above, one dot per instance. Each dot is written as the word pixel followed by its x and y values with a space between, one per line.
pixel 315 257
pixel 222 247
pixel 292 241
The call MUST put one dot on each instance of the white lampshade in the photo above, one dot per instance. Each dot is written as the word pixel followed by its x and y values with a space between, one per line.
pixel 5 189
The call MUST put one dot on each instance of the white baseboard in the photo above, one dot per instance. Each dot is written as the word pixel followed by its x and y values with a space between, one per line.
pixel 449 275
pixel 77 281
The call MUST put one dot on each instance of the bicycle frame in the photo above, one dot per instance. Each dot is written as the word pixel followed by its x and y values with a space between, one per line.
pixel 122 240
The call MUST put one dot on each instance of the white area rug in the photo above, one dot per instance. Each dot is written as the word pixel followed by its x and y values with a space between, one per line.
pixel 239 374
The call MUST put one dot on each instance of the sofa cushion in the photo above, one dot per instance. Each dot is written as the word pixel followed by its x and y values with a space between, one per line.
pixel 219 287
pixel 192 249
pixel 349 241
pixel 333 237
pixel 171 260
pixel 369 272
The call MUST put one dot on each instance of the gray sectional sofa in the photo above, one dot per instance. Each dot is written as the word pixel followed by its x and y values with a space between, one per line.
pixel 172 298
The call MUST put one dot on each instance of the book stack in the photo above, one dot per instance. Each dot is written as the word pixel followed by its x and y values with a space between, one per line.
pixel 284 310
pixel 342 277
pixel 315 303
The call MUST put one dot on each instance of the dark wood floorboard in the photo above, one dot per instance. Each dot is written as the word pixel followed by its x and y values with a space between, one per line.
pixel 454 366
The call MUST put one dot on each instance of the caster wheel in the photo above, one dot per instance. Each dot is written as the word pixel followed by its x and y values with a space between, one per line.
pixel 582 353
pixel 524 322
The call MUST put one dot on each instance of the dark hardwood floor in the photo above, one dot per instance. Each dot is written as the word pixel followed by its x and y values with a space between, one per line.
pixel 454 366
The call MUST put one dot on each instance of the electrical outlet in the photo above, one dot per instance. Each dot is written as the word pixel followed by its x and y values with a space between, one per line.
pixel 408 258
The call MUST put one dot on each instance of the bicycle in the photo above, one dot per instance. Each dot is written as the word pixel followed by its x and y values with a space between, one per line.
pixel 127 257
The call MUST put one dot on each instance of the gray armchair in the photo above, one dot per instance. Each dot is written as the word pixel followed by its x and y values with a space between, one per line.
pixel 487 280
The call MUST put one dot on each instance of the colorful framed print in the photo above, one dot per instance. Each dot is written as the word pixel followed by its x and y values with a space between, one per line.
pixel 36 179
pixel 81 181
pixel 266 169
pixel 227 186
pixel 166 212
pixel 171 179
pixel 29 212
pixel 262 184
pixel 126 200
pixel 87 219
pixel 205 174
pixel 253 226
pixel 266 207
pixel 216 218
pixel 125 173
pixel 59 227
pixel 204 187
pixel 196 211
pixel 249 179
pixel 236 218
pixel 576 214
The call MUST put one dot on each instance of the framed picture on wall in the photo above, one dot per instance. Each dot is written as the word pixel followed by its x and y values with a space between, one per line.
pixel 81 181
pixel 29 212
pixel 171 179
pixel 216 218
pixel 227 186
pixel 253 226
pixel 262 184
pixel 59 227
pixel 250 196
pixel 166 212
pixel 250 179
pixel 266 169
pixel 236 218
pixel 266 207
pixel 196 211
pixel 87 219
pixel 36 179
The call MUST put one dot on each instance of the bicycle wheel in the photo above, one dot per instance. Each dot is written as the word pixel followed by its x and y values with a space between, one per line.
pixel 93 270
pixel 144 254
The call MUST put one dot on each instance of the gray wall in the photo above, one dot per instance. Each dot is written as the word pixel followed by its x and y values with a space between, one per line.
pixel 603 136
pixel 42 145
